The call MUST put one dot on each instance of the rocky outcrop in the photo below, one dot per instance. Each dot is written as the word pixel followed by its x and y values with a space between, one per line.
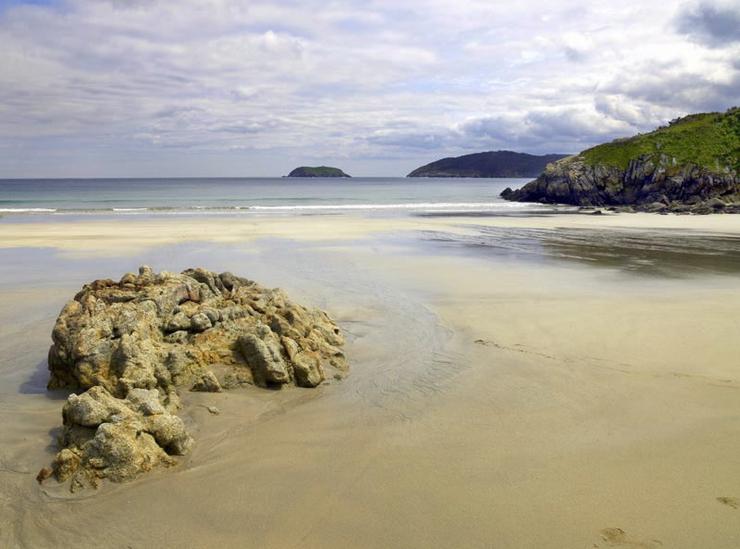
pixel 650 183
pixel 117 439
pixel 129 347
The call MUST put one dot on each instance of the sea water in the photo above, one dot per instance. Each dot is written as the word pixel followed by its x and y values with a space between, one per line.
pixel 254 195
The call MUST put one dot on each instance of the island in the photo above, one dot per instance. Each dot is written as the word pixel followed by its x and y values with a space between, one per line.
pixel 488 164
pixel 317 171
pixel 690 165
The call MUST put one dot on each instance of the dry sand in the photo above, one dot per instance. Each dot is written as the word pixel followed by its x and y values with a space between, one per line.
pixel 493 401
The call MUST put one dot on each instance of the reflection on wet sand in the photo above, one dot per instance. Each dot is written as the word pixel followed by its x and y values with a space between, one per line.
pixel 666 253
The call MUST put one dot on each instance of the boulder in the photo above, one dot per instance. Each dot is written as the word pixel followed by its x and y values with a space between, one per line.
pixel 264 358
pixel 163 331
pixel 109 437
pixel 127 348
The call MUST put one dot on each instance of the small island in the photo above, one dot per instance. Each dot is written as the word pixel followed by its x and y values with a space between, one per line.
pixel 317 171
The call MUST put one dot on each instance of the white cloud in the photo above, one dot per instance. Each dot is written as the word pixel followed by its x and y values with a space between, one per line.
pixel 381 86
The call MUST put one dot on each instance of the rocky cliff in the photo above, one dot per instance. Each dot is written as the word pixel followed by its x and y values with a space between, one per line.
pixel 688 166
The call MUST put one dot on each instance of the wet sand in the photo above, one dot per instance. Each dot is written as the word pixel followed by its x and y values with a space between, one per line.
pixel 515 382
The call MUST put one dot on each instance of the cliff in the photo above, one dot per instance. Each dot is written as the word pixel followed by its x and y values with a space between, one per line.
pixel 488 164
pixel 691 165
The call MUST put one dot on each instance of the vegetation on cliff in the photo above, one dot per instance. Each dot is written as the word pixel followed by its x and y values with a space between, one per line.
pixel 707 140
pixel 690 165
pixel 487 164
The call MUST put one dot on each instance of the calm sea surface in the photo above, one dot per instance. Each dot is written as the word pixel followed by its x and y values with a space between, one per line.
pixel 253 195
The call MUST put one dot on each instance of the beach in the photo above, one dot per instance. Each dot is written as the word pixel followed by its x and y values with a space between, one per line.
pixel 553 380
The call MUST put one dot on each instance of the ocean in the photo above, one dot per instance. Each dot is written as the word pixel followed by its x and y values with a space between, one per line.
pixel 254 195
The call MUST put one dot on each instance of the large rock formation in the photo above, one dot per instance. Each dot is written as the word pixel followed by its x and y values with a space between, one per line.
pixel 690 165
pixel 650 183
pixel 129 347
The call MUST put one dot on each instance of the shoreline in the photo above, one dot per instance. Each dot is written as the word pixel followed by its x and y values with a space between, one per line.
pixel 98 235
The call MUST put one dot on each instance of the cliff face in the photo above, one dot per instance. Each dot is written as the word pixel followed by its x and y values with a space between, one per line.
pixel 487 164
pixel 648 183
pixel 689 166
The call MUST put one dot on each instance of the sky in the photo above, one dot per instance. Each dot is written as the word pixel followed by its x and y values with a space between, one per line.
pixel 177 88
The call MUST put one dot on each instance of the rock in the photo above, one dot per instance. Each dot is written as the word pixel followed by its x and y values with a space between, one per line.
pixel 179 322
pixel 213 410
pixel 264 358
pixel 308 371
pixel 146 402
pixel 170 433
pixel 232 282
pixel 122 335
pixel 715 204
pixel 109 437
pixel 43 474
pixel 200 322
pixel 642 186
pixel 66 464
pixel 128 347
pixel 207 383
pixel 656 207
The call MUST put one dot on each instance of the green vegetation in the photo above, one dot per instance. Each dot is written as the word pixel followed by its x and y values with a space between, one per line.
pixel 709 140
pixel 317 171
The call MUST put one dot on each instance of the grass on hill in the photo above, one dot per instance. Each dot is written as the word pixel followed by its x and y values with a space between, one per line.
pixel 709 140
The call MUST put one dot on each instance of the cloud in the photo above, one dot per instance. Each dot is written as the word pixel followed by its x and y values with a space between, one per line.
pixel 540 131
pixel 577 46
pixel 374 84
pixel 713 24
pixel 546 130
pixel 663 88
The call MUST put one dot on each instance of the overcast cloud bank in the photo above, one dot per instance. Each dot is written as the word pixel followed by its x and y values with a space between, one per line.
pixel 218 87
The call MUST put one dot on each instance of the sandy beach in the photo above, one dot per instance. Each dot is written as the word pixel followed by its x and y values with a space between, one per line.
pixel 374 275
pixel 543 381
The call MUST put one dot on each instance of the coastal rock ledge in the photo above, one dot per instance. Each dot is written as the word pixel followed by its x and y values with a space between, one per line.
pixel 129 347
pixel 653 183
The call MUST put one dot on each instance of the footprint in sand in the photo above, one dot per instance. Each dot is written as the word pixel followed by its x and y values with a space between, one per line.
pixel 616 537
pixel 730 502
